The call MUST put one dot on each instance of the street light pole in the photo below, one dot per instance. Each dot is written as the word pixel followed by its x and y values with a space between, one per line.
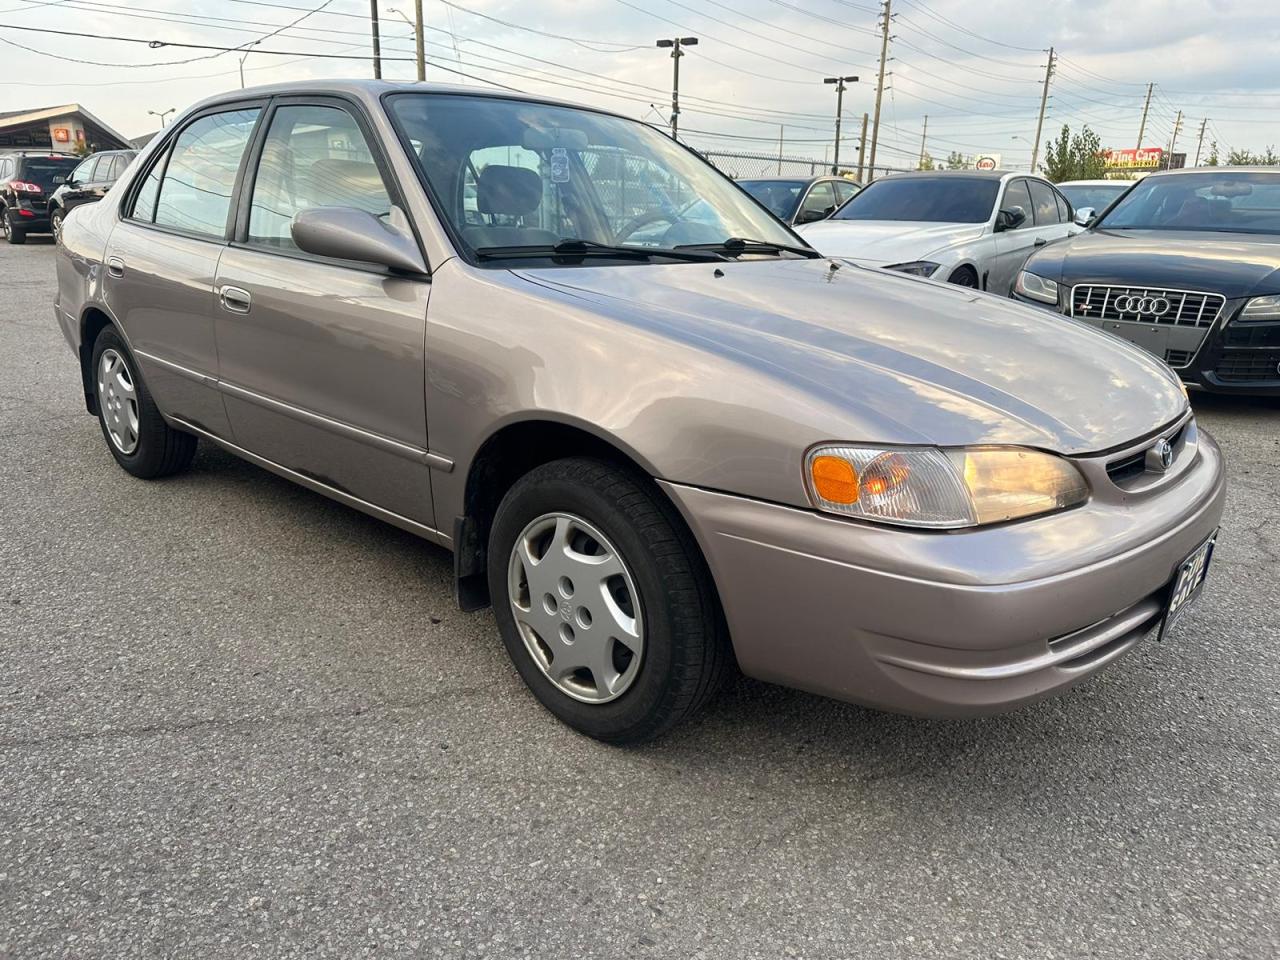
pixel 161 114
pixel 676 53
pixel 839 82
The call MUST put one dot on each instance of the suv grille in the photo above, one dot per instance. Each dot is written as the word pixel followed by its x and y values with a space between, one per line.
pixel 1177 358
pixel 1249 365
pixel 1182 308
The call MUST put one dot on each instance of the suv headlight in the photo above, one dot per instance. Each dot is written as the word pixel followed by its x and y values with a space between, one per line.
pixel 940 489
pixel 1261 308
pixel 917 268
pixel 1036 287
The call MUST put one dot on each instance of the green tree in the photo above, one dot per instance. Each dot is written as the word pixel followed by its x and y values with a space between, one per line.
pixel 1078 157
pixel 926 161
pixel 1246 158
pixel 1212 161
pixel 956 160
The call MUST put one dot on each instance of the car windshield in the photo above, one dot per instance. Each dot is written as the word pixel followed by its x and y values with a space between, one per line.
pixel 1097 196
pixel 511 174
pixel 780 196
pixel 1222 202
pixel 48 172
pixel 946 199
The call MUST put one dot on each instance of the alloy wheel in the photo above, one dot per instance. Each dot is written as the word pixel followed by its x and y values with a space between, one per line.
pixel 118 401
pixel 576 607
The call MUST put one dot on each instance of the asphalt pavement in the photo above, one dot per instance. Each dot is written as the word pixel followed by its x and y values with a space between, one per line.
pixel 239 720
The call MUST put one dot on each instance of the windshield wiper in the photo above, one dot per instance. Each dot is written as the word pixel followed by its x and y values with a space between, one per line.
pixel 574 247
pixel 735 246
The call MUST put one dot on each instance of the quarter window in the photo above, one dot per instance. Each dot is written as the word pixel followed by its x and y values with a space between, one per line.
pixel 313 156
pixel 198 180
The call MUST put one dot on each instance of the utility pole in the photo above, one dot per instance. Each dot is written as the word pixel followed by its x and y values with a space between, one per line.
pixel 377 40
pixel 1177 125
pixel 839 82
pixel 884 56
pixel 676 54
pixel 418 38
pixel 1044 102
pixel 924 138
pixel 1142 127
pixel 1200 143
pixel 862 147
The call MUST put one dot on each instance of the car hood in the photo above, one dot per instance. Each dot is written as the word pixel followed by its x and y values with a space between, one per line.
pixel 906 360
pixel 1226 263
pixel 886 241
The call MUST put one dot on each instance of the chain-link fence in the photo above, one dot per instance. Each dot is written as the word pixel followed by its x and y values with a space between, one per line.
pixel 749 165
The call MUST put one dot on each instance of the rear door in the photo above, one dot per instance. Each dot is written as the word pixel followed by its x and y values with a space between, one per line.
pixel 78 183
pixel 1052 223
pixel 162 257
pixel 323 361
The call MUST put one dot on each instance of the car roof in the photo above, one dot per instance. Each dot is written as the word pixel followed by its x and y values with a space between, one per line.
pixel 970 174
pixel 1097 183
pixel 1190 170
pixel 785 179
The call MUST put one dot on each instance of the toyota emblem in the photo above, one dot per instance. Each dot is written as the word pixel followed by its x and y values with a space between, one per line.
pixel 1160 456
pixel 1142 306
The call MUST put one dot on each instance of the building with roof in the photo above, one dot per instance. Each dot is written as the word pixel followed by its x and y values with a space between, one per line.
pixel 69 128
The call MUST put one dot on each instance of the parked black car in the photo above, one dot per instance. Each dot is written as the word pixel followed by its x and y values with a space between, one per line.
pixel 1187 266
pixel 88 183
pixel 798 200
pixel 27 180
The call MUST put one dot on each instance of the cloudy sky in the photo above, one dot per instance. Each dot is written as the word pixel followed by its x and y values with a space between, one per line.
pixel 974 68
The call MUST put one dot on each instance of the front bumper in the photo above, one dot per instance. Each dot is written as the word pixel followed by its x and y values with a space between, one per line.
pixel 951 624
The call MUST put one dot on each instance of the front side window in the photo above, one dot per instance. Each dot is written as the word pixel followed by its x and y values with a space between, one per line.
pixel 819 200
pixel 313 156
pixel 84 172
pixel 1018 197
pixel 942 199
pixel 518 174
pixel 1225 202
pixel 195 192
pixel 1042 201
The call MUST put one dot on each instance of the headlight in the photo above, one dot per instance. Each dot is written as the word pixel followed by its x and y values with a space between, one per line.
pixel 940 489
pixel 1036 287
pixel 917 268
pixel 1261 308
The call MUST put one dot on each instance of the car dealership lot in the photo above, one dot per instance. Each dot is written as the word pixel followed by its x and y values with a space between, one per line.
pixel 237 719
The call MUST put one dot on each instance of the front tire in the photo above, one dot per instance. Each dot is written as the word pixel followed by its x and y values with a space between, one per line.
pixel 136 434
pixel 604 602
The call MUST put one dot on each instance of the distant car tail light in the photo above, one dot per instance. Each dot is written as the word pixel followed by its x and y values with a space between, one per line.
pixel 25 186
pixel 25 213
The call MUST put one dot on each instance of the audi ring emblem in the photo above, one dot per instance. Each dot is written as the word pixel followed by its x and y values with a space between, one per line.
pixel 1143 306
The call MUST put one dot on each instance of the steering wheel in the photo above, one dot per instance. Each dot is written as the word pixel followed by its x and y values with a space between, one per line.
pixel 636 223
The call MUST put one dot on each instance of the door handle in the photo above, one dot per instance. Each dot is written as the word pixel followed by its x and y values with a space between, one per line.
pixel 1041 241
pixel 115 266
pixel 235 299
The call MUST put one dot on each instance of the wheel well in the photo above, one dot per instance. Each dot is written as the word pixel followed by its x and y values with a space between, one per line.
pixel 91 325
pixel 502 460
pixel 963 268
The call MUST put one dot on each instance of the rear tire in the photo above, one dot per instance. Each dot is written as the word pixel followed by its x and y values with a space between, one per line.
pixel 55 223
pixel 659 599
pixel 12 232
pixel 136 434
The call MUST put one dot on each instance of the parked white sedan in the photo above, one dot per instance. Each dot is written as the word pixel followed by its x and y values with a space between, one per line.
pixel 973 228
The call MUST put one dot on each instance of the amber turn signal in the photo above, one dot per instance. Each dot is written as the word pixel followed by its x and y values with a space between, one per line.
pixel 834 479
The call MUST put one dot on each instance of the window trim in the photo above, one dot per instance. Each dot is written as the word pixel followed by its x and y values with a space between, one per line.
pixel 377 149
pixel 164 151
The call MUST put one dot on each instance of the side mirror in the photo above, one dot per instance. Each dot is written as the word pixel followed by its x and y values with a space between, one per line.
pixel 811 216
pixel 345 233
pixel 1010 218
pixel 1085 215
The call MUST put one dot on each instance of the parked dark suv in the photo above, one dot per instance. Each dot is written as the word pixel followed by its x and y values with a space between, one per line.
pixel 27 180
pixel 88 183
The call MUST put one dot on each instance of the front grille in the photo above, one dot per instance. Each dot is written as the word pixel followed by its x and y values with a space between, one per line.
pixel 1135 465
pixel 1178 358
pixel 1245 366
pixel 1180 308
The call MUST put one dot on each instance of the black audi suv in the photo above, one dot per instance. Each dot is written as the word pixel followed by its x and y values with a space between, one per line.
pixel 1185 265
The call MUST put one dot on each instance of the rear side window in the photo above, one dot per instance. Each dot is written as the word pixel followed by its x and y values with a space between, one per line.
pixel 117 168
pixel 200 175
pixel 313 156
pixel 1042 199
pixel 1064 208
pixel 144 204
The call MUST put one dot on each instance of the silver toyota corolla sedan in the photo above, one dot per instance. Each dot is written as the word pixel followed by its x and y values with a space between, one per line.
pixel 656 445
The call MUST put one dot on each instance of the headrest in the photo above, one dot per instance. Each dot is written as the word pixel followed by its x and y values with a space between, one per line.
pixel 508 191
